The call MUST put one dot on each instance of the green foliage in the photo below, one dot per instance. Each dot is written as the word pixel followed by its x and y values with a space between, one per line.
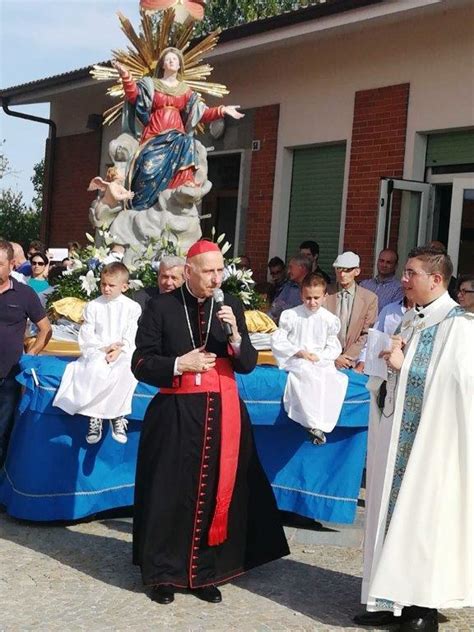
pixel 38 185
pixel 4 162
pixel 18 222
pixel 70 285
pixel 82 279
pixel 234 12
pixel 235 285
pixel 146 274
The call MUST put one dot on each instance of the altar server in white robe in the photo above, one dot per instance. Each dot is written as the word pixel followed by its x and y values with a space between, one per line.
pixel 306 345
pixel 100 384
pixel 419 544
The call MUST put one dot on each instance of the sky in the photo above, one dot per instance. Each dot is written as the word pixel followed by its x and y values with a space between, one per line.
pixel 42 38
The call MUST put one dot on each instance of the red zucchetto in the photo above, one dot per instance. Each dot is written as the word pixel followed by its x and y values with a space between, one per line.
pixel 202 246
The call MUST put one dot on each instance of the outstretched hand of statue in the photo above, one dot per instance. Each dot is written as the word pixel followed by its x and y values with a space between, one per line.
pixel 122 71
pixel 233 111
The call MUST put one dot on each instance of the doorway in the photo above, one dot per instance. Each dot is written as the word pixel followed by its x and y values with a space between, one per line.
pixel 402 216
pixel 451 219
pixel 222 203
pixel 412 213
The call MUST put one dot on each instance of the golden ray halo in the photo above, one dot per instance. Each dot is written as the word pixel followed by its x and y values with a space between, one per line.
pixel 147 44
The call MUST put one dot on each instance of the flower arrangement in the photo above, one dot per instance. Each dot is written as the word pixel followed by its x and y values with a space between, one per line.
pixel 238 282
pixel 82 279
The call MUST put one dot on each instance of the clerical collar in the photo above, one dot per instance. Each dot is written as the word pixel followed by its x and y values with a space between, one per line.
pixel 422 310
pixel 199 299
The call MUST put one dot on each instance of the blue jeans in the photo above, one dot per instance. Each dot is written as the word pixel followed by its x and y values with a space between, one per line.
pixel 10 391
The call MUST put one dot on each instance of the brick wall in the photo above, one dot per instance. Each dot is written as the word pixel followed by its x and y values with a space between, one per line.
pixel 262 175
pixel 377 150
pixel 77 160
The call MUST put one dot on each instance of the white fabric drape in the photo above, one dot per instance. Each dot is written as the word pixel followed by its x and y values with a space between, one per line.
pixel 314 392
pixel 90 386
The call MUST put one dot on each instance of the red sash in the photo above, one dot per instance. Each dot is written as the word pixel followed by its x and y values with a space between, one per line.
pixel 221 380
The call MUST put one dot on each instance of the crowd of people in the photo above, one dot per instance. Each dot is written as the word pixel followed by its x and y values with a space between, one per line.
pixel 173 337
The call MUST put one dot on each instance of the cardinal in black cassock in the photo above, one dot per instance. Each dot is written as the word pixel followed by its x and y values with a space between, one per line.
pixel 204 510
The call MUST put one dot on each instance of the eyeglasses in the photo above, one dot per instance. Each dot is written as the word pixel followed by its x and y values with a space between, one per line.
pixel 38 263
pixel 344 269
pixel 465 292
pixel 409 274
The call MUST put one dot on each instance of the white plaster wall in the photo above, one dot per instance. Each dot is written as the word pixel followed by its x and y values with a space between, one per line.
pixel 316 82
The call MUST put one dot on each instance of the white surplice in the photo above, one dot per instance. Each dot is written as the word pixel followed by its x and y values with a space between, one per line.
pixel 314 391
pixel 419 544
pixel 90 386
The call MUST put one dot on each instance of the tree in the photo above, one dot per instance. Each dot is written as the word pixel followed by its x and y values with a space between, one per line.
pixel 38 185
pixel 18 221
pixel 234 12
pixel 5 168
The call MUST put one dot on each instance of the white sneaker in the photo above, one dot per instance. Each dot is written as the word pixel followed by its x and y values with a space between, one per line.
pixel 119 429
pixel 317 436
pixel 94 434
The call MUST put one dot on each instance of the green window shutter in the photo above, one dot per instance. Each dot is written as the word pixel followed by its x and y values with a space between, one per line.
pixel 316 200
pixel 451 148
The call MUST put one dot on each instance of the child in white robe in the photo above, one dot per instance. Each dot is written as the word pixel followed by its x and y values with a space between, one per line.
pixel 100 384
pixel 306 345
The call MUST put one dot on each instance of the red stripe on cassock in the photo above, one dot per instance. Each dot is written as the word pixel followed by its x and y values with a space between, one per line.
pixel 221 380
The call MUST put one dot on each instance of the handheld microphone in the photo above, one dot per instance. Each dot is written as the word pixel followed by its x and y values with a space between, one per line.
pixel 219 301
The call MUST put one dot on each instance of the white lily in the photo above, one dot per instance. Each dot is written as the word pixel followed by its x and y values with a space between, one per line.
pixel 226 247
pixel 88 282
pixel 245 297
pixel 149 252
pixel 135 284
pixel 76 264
pixel 109 239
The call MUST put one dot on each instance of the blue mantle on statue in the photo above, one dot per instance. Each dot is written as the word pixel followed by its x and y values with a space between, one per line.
pixel 51 473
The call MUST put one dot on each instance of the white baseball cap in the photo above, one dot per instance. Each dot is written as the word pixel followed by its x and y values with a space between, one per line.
pixel 348 259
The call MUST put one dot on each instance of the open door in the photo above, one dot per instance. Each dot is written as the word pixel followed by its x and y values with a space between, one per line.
pixel 402 216
pixel 461 226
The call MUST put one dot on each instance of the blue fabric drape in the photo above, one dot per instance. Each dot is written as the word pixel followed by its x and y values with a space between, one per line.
pixel 52 474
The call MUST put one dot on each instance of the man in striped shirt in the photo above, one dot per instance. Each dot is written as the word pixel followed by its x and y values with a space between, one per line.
pixel 385 284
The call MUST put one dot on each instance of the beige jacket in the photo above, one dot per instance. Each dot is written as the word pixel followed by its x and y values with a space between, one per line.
pixel 363 316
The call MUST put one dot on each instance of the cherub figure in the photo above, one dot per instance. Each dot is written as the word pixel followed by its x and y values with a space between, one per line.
pixel 112 187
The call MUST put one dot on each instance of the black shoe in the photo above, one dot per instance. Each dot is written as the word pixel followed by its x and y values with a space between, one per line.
pixel 162 594
pixel 426 622
pixel 211 594
pixel 381 617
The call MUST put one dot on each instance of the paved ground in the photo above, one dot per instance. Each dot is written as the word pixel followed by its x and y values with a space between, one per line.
pixel 80 578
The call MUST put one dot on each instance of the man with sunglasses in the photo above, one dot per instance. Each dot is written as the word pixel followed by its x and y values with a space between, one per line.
pixel 18 302
pixel 418 547
pixel 355 307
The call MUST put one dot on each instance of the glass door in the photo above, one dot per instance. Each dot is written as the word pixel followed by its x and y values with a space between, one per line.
pixel 461 226
pixel 402 216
